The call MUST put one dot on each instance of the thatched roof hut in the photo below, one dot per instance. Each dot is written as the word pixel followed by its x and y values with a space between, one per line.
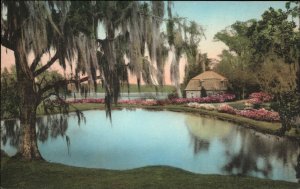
pixel 212 82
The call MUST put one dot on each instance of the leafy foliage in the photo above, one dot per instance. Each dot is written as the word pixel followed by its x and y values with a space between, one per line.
pixel 268 51
pixel 9 97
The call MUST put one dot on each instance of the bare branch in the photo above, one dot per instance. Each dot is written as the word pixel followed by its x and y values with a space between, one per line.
pixel 46 66
pixel 64 82
pixel 36 61
pixel 6 43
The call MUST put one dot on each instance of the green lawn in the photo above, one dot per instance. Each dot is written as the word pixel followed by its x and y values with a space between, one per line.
pixel 143 88
pixel 44 175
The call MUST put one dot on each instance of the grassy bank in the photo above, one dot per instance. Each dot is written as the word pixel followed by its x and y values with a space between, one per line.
pixel 38 174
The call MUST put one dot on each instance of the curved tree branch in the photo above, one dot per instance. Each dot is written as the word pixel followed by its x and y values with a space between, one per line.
pixel 46 66
pixel 6 43
pixel 36 61
pixel 64 82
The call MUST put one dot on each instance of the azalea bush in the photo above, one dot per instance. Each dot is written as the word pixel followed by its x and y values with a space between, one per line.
pixel 209 99
pixel 225 108
pixel 259 98
pixel 201 106
pixel 261 114
pixel 87 100
pixel 138 102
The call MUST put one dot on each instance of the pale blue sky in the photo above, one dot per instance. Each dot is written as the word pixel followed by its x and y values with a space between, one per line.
pixel 214 16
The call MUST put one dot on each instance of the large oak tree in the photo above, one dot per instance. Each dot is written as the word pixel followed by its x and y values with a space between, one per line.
pixel 67 31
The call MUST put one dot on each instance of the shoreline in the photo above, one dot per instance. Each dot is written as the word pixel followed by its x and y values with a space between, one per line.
pixel 259 126
pixel 142 177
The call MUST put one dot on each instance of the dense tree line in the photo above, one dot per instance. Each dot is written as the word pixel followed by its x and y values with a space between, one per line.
pixel 264 55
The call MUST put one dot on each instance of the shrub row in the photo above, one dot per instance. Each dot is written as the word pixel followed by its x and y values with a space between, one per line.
pixel 260 114
pixel 210 99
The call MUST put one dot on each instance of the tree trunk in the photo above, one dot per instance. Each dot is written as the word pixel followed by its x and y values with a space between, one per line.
pixel 298 76
pixel 243 93
pixel 28 149
pixel 28 105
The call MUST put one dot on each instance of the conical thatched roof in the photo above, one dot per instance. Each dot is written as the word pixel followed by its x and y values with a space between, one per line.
pixel 209 75
pixel 211 81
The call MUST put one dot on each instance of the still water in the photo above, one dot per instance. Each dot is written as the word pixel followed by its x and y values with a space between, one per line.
pixel 138 138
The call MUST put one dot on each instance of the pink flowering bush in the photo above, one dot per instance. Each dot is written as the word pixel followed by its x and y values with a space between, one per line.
pixel 209 99
pixel 259 97
pixel 201 106
pixel 261 114
pixel 139 102
pixel 87 100
pixel 225 108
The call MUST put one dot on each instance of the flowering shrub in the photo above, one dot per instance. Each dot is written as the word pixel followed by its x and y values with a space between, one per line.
pixel 209 99
pixel 202 106
pixel 88 100
pixel 225 108
pixel 261 114
pixel 139 102
pixel 193 105
pixel 259 97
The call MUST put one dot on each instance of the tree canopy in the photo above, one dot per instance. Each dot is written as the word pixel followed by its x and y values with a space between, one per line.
pixel 68 32
pixel 265 52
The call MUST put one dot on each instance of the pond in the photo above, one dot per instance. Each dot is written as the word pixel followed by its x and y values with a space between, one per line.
pixel 138 138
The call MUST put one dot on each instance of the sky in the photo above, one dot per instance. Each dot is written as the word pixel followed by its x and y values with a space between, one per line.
pixel 213 16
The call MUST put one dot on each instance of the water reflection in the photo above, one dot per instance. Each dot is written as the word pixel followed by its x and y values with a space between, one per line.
pixel 10 131
pixel 297 168
pixel 140 138
pixel 47 127
pixel 246 152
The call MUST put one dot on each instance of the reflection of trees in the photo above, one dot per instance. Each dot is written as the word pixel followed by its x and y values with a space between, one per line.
pixel 203 130
pixel 10 130
pixel 297 168
pixel 246 152
pixel 255 147
pixel 48 126
pixel 200 145
pixel 244 162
